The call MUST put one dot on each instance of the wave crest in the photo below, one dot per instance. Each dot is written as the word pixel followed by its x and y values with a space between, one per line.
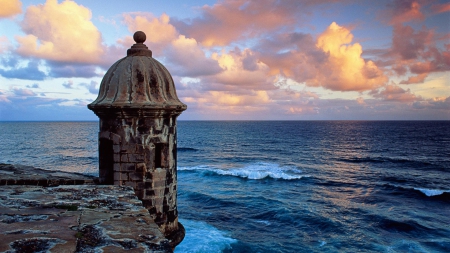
pixel 253 171
pixel 431 192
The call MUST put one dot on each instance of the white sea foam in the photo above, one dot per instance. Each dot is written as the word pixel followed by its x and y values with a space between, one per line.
pixel 254 171
pixel 202 237
pixel 431 192
pixel 265 222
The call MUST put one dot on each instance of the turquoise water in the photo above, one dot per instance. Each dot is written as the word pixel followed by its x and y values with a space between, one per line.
pixel 326 186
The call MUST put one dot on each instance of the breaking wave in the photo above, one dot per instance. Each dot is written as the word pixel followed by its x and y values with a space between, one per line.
pixel 202 237
pixel 252 171
pixel 432 192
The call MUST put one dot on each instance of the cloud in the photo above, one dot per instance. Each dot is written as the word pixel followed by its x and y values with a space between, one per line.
pixel 92 87
pixel 438 103
pixel 33 86
pixel 73 70
pixel 29 72
pixel 409 44
pixel 188 59
pixel 23 92
pixel 292 55
pixel 236 75
pixel 60 32
pixel 10 8
pixel 392 92
pixel 415 79
pixel 416 52
pixel 227 21
pixel 4 44
pixel 330 61
pixel 440 8
pixel 360 101
pixel 68 84
pixel 160 33
pixel 406 10
pixel 345 69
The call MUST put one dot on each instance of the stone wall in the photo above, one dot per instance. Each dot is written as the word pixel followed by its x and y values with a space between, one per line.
pixel 142 153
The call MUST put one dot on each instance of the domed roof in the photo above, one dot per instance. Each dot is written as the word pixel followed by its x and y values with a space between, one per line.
pixel 137 81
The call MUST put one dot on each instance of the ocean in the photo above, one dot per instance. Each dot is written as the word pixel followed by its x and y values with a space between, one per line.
pixel 284 186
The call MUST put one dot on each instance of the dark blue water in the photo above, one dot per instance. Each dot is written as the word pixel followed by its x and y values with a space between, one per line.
pixel 327 186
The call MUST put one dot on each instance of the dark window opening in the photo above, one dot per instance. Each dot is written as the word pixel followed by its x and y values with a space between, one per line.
pixel 158 154
pixel 106 161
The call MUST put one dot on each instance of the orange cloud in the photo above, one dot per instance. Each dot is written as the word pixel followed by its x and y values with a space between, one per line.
pixel 360 101
pixel 440 8
pixel 345 69
pixel 160 33
pixel 415 52
pixel 228 21
pixel 222 104
pixel 60 32
pixel 405 11
pixel 238 73
pixel 303 110
pixel 10 8
pixel 226 98
pixel 188 58
pixel 415 79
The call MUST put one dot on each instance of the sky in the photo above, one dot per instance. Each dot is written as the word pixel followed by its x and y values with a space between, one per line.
pixel 234 59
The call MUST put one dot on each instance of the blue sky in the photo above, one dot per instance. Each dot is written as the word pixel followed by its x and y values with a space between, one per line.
pixel 234 60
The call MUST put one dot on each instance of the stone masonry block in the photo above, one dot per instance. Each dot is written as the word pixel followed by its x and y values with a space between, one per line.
pixel 115 138
pixel 140 185
pixel 116 149
pixel 149 192
pixel 148 155
pixel 117 176
pixel 135 158
pixel 124 158
pixel 141 167
pixel 121 176
pixel 129 183
pixel 159 174
pixel 128 167
pixel 129 148
pixel 136 176
pixel 158 184
pixel 140 194
pixel 159 192
pixel 116 167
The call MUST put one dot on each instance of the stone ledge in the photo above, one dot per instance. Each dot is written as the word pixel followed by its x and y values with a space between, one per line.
pixel 54 211
pixel 27 175
pixel 79 218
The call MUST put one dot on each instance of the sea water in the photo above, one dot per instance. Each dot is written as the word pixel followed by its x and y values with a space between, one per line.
pixel 269 186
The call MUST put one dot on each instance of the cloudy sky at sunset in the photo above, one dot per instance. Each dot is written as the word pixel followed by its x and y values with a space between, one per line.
pixel 234 59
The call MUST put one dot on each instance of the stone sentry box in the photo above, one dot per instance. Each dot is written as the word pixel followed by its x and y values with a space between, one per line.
pixel 138 107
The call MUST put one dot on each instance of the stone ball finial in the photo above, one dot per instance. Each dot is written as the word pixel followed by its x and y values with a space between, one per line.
pixel 139 37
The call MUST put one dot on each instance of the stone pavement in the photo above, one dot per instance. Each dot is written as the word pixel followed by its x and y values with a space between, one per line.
pixel 73 218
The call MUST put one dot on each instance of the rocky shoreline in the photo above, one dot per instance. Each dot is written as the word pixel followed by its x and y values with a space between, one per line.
pixel 53 211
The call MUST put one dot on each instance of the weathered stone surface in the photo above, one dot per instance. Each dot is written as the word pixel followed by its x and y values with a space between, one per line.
pixel 78 218
pixel 27 175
